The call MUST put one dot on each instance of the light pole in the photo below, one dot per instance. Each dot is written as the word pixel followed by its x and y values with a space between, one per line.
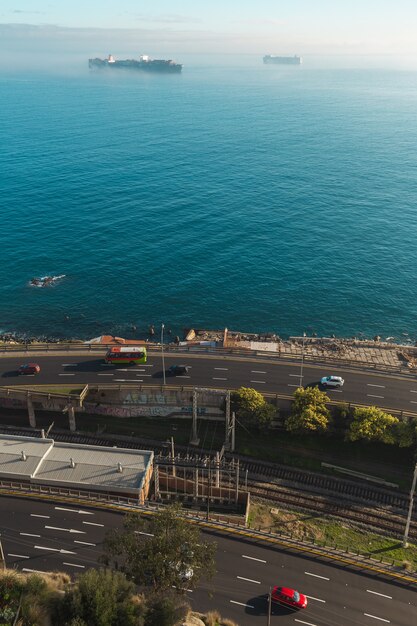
pixel 162 351
pixel 410 509
pixel 302 361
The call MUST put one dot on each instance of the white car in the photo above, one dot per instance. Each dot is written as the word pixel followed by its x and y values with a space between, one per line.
pixel 332 381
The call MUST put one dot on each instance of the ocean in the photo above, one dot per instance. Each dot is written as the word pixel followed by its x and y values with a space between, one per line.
pixel 261 198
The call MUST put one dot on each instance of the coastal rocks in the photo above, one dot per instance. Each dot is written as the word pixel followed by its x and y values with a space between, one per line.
pixel 45 281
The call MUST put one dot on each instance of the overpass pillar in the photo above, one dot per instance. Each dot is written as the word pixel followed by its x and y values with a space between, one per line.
pixel 31 412
pixel 71 418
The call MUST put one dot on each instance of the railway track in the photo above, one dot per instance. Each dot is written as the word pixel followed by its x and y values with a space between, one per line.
pixel 382 509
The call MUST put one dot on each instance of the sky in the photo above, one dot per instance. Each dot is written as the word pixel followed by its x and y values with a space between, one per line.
pixel 219 26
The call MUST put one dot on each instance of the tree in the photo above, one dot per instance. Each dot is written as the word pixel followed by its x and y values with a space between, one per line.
pixel 166 610
pixel 373 424
pixel 405 434
pixel 161 551
pixel 100 598
pixel 252 408
pixel 308 412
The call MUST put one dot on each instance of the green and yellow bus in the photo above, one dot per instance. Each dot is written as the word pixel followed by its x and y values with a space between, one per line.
pixel 132 355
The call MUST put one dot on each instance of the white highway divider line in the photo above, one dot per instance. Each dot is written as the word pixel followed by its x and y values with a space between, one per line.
pixel 112 374
pixel 224 369
pixel 66 374
pixel 249 580
pixel 79 511
pixel 183 376
pixel 316 576
pixel 259 382
pixel 293 385
pixel 412 402
pixel 381 619
pixel 37 571
pixel 74 565
pixel 44 516
pixel 257 372
pixel 252 558
pixel 67 530
pixel 60 550
pixel 249 606
pixel 19 556
pixel 140 532
pixel 413 390
pixel 28 535
pixel 93 524
pixel 296 375
pixel 371 396
pixel 316 599
pixel 219 378
pixel 85 543
pixel 300 621
pixel 69 364
pixel 372 385
pixel 379 594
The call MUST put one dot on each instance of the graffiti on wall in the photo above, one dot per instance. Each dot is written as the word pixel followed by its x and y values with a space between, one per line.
pixel 12 403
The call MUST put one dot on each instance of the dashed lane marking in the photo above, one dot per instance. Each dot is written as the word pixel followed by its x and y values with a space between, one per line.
pixel 413 390
pixel 259 382
pixel 74 565
pixel 379 594
pixel 249 606
pixel 69 364
pixel 316 575
pixel 19 556
pixel 94 524
pixel 68 374
pixel 183 376
pixel 371 396
pixel 371 385
pixel 293 385
pixel 67 530
pixel 112 374
pixel 413 402
pixel 84 543
pixel 140 532
pixel 223 369
pixel 316 599
pixel 300 621
pixel 252 558
pixel 61 550
pixel 44 516
pixel 79 511
pixel 37 571
pixel 381 619
pixel 249 580
pixel 257 372
pixel 296 375
pixel 28 535
pixel 219 378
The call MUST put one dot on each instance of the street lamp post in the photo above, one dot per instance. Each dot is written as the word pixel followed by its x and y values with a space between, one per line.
pixel 162 351
pixel 302 361
pixel 410 509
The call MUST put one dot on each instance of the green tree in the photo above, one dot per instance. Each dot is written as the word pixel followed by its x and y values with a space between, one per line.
pixel 166 610
pixel 251 407
pixel 308 412
pixel 161 551
pixel 100 598
pixel 405 434
pixel 373 424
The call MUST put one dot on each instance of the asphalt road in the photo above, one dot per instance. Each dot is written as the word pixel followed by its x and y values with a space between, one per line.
pixel 220 372
pixel 44 536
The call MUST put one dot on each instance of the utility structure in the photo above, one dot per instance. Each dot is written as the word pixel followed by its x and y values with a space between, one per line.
pixel 230 421
pixel 410 508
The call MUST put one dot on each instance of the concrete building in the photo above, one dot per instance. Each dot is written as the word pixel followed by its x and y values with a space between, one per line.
pixel 117 471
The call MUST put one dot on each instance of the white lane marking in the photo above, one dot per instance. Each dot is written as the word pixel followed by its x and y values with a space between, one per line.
pixel 19 556
pixel 219 378
pixel 316 599
pixel 379 594
pixel 69 364
pixel 257 372
pixel 112 374
pixel 371 396
pixel 252 558
pixel 85 543
pixel 44 516
pixel 61 508
pixel 122 380
pixel 143 375
pixel 381 619
pixel 28 535
pixel 183 376
pixel 189 590
pixel 38 571
pixel 249 580
pixel 60 550
pixel 140 532
pixel 296 375
pixel 412 402
pixel 74 565
pixel 67 530
pixel 66 374
pixel 224 369
pixel 300 621
pixel 413 390
pixel 260 382
pixel 93 524
pixel 371 385
pixel 316 575
pixel 249 606
pixel 293 385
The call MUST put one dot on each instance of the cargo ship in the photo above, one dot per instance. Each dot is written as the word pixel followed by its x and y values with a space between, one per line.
pixel 273 59
pixel 144 63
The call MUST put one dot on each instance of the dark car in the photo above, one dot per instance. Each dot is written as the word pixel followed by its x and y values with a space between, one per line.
pixel 29 368
pixel 178 370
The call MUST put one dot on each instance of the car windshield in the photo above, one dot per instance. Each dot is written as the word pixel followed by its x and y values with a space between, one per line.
pixel 296 596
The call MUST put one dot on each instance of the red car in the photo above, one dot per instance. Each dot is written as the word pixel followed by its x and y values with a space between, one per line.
pixel 29 368
pixel 289 597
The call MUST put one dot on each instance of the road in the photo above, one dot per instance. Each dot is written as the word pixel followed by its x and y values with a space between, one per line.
pixel 391 392
pixel 45 536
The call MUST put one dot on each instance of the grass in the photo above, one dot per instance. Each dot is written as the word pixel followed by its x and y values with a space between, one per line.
pixel 332 533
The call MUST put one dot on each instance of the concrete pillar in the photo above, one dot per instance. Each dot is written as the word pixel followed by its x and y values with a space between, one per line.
pixel 194 437
pixel 71 418
pixel 31 412
pixel 217 470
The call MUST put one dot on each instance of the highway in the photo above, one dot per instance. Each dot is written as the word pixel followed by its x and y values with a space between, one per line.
pixel 391 392
pixel 45 536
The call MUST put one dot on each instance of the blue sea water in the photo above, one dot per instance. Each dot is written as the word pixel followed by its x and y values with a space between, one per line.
pixel 256 197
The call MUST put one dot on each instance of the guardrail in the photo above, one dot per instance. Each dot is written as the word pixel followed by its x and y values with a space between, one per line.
pixel 342 557
pixel 215 351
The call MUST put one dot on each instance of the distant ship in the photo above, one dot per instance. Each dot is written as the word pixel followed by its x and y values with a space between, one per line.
pixel 272 58
pixel 145 63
